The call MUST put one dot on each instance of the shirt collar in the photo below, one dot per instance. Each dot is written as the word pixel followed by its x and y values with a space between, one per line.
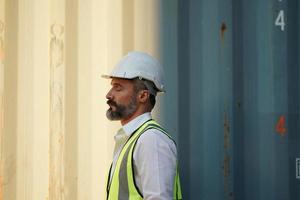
pixel 134 124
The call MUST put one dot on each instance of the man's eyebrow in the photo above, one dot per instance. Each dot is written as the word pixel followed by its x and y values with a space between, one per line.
pixel 116 84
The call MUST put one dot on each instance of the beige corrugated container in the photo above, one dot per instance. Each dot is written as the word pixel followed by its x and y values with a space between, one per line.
pixel 56 142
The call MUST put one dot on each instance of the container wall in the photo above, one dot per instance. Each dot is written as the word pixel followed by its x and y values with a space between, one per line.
pixel 232 102
pixel 55 141
pixel 237 101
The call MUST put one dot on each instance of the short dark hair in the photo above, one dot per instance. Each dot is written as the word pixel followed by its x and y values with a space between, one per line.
pixel 139 84
pixel 152 100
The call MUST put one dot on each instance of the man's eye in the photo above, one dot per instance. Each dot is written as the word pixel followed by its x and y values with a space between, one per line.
pixel 118 88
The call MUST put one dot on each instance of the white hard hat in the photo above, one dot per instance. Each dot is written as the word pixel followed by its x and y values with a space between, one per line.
pixel 139 65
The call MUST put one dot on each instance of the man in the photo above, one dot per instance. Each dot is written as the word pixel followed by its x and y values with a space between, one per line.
pixel 145 157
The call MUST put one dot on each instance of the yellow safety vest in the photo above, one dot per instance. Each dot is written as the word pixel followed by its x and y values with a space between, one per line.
pixel 122 185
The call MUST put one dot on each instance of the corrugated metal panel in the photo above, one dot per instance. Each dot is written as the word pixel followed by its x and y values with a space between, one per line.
pixel 238 97
pixel 55 141
pixel 233 99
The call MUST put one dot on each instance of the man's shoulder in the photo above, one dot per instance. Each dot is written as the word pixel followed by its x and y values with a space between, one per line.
pixel 154 141
pixel 155 135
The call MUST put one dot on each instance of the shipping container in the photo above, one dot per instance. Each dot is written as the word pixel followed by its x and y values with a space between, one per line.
pixel 232 102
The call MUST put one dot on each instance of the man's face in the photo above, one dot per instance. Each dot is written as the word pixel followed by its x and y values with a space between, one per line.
pixel 121 99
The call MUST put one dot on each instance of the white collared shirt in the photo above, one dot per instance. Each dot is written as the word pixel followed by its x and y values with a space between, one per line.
pixel 154 158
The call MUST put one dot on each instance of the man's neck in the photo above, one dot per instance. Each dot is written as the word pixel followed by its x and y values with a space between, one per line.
pixel 134 115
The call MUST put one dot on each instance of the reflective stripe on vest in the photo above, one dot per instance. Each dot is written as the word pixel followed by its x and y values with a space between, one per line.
pixel 122 186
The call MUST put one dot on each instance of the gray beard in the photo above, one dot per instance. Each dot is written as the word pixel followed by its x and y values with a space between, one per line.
pixel 121 112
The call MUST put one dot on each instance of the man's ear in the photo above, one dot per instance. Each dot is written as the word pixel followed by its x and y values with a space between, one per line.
pixel 143 96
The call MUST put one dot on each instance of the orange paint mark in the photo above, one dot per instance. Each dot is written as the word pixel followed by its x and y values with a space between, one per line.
pixel 280 126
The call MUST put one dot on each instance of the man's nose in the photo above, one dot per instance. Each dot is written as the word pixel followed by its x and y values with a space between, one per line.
pixel 109 95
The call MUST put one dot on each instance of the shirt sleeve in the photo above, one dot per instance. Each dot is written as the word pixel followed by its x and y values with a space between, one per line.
pixel 155 160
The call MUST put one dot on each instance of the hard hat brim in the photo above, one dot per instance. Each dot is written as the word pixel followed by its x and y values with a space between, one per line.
pixel 106 76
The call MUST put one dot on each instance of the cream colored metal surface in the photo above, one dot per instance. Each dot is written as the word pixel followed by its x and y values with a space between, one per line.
pixel 56 143
pixel 57 65
pixel 33 101
pixel 2 56
pixel 9 134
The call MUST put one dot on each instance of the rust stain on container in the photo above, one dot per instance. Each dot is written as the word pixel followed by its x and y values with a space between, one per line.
pixel 226 131
pixel 223 30
pixel 226 164
pixel 226 159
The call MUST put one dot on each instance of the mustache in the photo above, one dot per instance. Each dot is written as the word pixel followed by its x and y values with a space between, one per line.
pixel 111 103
